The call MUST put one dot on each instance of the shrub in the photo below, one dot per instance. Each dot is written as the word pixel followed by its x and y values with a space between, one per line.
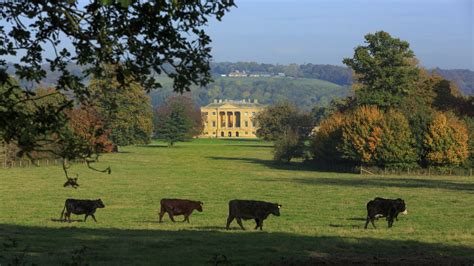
pixel 288 146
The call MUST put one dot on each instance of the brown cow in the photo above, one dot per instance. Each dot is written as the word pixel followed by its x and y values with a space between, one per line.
pixel 179 207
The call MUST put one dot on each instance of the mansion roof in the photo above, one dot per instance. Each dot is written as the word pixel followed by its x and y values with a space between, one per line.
pixel 237 104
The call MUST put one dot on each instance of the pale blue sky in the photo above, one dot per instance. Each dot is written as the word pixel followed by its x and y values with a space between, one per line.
pixel 325 31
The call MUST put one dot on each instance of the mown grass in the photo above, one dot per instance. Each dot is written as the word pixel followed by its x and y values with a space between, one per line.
pixel 322 214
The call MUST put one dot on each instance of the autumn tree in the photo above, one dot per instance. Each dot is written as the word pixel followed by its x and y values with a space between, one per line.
pixel 362 135
pixel 446 141
pixel 385 70
pixel 178 119
pixel 325 144
pixel 86 123
pixel 126 110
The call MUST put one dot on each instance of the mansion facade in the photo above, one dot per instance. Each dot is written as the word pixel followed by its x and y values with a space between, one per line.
pixel 230 119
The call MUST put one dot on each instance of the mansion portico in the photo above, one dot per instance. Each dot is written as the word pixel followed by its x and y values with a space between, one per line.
pixel 230 119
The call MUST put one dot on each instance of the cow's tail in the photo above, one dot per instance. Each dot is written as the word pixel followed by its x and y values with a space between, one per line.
pixel 162 206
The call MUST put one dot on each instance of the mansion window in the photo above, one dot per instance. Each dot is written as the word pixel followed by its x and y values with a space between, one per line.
pixel 246 123
pixel 213 123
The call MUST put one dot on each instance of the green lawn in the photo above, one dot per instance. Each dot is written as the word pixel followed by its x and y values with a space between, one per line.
pixel 322 217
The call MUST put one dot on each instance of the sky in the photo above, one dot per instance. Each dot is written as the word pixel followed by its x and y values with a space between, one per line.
pixel 440 32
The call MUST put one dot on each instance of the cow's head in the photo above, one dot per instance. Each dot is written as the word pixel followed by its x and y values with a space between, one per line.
pixel 99 204
pixel 276 209
pixel 402 207
pixel 199 206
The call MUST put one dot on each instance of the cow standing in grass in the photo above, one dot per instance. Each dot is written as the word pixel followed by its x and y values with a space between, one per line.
pixel 251 209
pixel 389 208
pixel 179 207
pixel 78 207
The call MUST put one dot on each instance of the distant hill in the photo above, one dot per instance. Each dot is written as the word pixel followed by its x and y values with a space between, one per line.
pixel 305 85
pixel 464 78
pixel 303 92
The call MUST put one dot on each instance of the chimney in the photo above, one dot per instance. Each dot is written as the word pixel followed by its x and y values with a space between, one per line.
pixel 220 100
pixel 255 101
pixel 215 100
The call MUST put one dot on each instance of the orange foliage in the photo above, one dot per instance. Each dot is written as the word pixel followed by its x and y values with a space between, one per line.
pixel 446 141
pixel 362 134
pixel 86 123
pixel 329 136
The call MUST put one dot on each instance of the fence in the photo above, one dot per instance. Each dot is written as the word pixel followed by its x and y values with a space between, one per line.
pixel 28 163
pixel 430 171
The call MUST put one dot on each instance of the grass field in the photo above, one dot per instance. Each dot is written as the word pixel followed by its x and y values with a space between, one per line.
pixel 322 217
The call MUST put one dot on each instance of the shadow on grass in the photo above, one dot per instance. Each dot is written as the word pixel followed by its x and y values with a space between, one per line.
pixel 63 221
pixel 239 140
pixel 386 182
pixel 154 146
pixel 249 146
pixel 291 166
pixel 46 246
pixel 360 181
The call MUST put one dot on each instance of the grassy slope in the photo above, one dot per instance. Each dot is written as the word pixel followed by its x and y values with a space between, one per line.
pixel 322 213
pixel 302 91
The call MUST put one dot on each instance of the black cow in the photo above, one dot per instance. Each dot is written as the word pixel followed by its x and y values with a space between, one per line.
pixel 251 209
pixel 179 207
pixel 389 208
pixel 78 207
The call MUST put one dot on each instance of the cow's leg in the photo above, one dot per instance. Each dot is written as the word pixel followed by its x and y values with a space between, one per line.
pixel 171 217
pixel 85 218
pixel 93 217
pixel 239 221
pixel 390 222
pixel 68 216
pixel 162 212
pixel 257 224
pixel 229 220
pixel 62 214
pixel 367 222
pixel 186 218
pixel 372 221
pixel 261 224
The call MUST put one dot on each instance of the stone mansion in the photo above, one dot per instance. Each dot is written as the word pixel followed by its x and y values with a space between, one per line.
pixel 230 119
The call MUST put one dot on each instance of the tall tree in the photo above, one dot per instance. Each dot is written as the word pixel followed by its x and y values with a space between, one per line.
pixel 288 126
pixel 126 110
pixel 178 119
pixel 274 120
pixel 385 70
